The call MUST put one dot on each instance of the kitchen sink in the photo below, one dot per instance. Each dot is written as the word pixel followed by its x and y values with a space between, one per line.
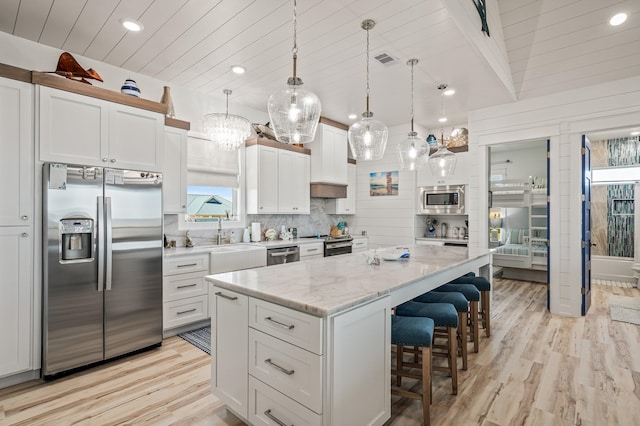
pixel 236 257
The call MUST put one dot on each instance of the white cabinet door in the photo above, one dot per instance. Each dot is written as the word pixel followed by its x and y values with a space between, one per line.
pixel 460 174
pixel 78 129
pixel 345 205
pixel 174 175
pixel 73 128
pixel 16 313
pixel 268 180
pixel 293 183
pixel 135 138
pixel 329 155
pixel 230 348
pixel 16 153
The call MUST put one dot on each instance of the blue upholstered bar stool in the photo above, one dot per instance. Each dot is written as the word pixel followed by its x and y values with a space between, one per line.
pixel 473 296
pixel 462 307
pixel 416 331
pixel 484 286
pixel 443 315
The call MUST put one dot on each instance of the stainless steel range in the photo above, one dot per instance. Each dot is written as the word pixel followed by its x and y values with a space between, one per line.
pixel 334 246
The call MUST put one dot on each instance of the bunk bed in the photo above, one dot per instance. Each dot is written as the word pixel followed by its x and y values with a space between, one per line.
pixel 522 253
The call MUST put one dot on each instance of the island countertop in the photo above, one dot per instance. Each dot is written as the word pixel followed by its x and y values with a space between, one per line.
pixel 329 285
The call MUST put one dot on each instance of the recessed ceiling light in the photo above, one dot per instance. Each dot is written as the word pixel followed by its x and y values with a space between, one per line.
pixel 238 69
pixel 442 119
pixel 132 25
pixel 353 116
pixel 449 92
pixel 618 19
pixel 635 133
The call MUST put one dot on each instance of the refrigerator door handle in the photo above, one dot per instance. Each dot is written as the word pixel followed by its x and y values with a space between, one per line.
pixel 101 244
pixel 108 244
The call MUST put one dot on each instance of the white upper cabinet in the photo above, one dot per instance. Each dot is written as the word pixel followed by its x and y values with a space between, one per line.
pixel 277 180
pixel 83 130
pixel 16 153
pixel 329 155
pixel 174 175
pixel 345 205
pixel 460 174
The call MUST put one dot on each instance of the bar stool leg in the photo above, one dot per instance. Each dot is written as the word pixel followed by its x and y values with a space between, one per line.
pixel 453 358
pixel 426 385
pixel 462 332
pixel 474 325
pixel 486 311
pixel 399 360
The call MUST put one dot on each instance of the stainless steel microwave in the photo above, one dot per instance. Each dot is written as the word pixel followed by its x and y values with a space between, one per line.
pixel 445 199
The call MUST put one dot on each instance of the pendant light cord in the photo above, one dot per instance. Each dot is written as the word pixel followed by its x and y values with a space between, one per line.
pixel 295 33
pixel 367 71
pixel 413 62
pixel 227 92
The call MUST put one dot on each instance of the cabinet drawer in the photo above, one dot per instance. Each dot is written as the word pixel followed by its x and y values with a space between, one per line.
pixel 181 286
pixel 295 327
pixel 185 311
pixel 185 264
pixel 268 407
pixel 315 249
pixel 293 371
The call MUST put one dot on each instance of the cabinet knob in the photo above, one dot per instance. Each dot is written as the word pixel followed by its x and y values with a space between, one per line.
pixel 261 207
pixel 24 234
pixel 25 217
pixel 104 160
pixel 184 206
pixel 113 160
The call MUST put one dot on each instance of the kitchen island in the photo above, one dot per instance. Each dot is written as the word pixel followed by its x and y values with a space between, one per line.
pixel 309 342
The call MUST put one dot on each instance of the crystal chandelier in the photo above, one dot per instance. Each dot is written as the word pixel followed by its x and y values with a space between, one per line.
pixel 413 151
pixel 294 112
pixel 227 130
pixel 368 137
pixel 443 161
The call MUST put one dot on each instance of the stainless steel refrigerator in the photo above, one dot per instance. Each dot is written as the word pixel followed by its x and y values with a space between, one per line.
pixel 102 264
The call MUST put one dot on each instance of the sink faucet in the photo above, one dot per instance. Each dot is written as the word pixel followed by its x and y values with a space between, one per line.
pixel 219 239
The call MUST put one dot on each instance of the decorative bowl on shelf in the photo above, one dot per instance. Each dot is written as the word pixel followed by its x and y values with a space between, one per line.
pixel 130 87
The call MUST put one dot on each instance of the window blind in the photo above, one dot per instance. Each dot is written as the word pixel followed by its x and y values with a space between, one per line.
pixel 208 165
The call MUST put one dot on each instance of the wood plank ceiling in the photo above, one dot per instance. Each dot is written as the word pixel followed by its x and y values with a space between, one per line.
pixel 551 45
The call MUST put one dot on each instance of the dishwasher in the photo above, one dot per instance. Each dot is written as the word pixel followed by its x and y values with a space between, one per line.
pixel 276 256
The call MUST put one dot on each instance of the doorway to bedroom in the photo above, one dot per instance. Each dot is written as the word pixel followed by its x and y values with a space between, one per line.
pixel 518 210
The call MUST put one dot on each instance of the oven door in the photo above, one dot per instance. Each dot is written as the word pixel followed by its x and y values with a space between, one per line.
pixel 334 249
pixel 442 199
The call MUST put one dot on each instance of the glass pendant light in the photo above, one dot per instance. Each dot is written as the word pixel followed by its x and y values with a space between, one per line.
pixel 227 130
pixel 368 137
pixel 443 161
pixel 413 151
pixel 294 112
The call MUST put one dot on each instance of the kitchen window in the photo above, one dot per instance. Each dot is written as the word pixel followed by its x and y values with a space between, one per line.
pixel 214 182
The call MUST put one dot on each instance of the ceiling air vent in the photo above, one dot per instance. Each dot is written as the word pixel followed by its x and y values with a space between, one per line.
pixel 385 59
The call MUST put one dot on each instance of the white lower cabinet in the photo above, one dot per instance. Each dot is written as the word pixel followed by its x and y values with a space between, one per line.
pixel 229 348
pixel 184 290
pixel 273 358
pixel 311 250
pixel 16 312
pixel 267 406
pixel 360 244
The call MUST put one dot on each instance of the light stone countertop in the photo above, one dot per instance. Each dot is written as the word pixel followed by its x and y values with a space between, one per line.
pixel 329 285
pixel 183 251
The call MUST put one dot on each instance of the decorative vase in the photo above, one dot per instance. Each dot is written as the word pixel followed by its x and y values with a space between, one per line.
pixel 130 87
pixel 166 99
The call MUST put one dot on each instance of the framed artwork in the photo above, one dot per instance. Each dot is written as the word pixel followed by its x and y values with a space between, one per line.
pixel 383 183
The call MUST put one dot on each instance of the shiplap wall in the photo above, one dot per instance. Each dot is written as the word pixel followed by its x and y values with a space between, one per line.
pixel 563 118
pixel 388 220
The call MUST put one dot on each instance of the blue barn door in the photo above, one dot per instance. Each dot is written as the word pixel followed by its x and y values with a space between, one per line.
pixel 586 225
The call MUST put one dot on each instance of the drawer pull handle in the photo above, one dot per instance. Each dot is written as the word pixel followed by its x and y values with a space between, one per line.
pixel 281 324
pixel 188 264
pixel 221 294
pixel 187 311
pixel 187 285
pixel 274 365
pixel 274 418
pixel 314 249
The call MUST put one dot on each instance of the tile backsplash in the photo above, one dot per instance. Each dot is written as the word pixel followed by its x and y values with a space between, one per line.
pixel 317 222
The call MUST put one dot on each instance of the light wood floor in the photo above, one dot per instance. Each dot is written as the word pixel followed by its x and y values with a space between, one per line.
pixel 536 369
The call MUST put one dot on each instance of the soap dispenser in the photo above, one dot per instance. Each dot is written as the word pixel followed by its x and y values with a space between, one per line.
pixel 245 235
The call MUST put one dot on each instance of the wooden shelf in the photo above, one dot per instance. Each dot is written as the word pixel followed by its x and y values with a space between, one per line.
pixel 463 148
pixel 276 144
pixel 57 82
